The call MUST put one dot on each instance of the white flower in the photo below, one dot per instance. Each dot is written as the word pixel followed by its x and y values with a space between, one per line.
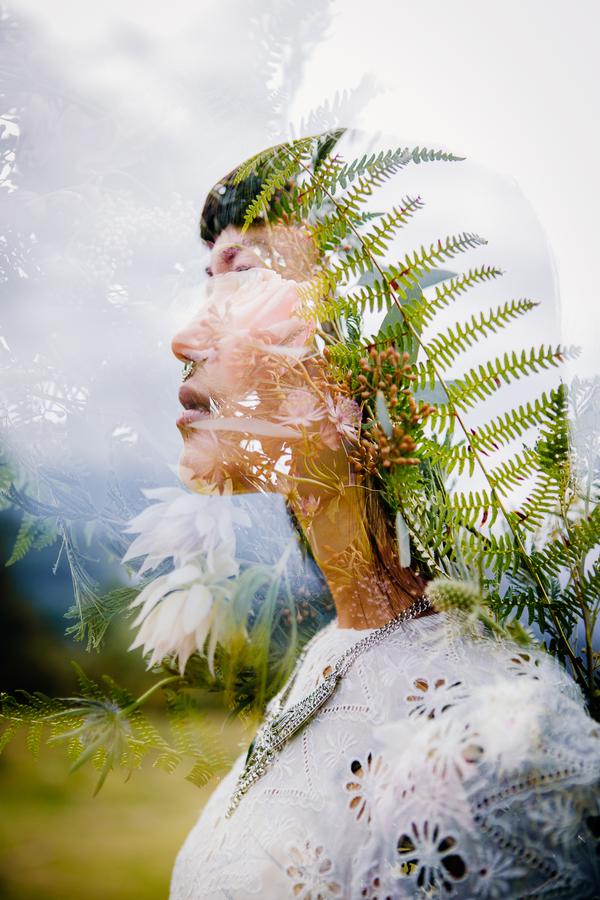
pixel 181 524
pixel 509 715
pixel 181 608
pixel 429 767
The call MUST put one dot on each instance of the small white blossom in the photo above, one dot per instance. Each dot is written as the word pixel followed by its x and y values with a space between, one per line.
pixel 510 720
pixel 178 610
pixel 182 524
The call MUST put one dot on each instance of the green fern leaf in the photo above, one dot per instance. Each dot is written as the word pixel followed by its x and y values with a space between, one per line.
pixel 425 260
pixel 469 509
pixel 445 347
pixel 512 424
pixel 540 502
pixel 481 382
pixel 508 474
pixel 284 170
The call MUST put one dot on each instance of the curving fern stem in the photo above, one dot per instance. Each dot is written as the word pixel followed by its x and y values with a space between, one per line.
pixel 440 352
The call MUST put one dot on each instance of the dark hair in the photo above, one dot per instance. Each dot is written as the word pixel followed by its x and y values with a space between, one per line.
pixel 226 203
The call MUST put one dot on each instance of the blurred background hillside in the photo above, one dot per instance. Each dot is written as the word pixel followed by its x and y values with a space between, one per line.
pixel 56 840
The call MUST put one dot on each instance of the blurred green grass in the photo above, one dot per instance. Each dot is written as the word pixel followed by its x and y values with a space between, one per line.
pixel 58 842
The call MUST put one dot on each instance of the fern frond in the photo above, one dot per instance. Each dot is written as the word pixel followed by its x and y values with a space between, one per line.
pixel 468 509
pixel 396 333
pixel 426 260
pixel 377 164
pixel 567 552
pixel 509 473
pixel 541 501
pixel 93 619
pixel 194 737
pixel 451 289
pixel 512 424
pixel 34 534
pixel 264 160
pixel 444 347
pixel 381 165
pixel 457 456
pixel 331 232
pixel 373 297
pixel 497 552
pixel 374 171
pixel 553 444
pixel 481 382
pixel 104 726
pixel 460 456
pixel 379 238
pixel 585 590
pixel 284 167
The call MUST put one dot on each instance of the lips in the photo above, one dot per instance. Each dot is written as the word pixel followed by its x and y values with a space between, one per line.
pixel 189 416
pixel 196 406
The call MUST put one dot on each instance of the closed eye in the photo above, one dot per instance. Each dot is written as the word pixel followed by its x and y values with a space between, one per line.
pixel 209 271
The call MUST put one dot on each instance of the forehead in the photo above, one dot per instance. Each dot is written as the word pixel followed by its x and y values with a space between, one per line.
pixel 232 234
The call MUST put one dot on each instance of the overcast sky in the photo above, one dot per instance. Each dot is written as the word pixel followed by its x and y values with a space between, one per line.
pixel 130 111
pixel 511 84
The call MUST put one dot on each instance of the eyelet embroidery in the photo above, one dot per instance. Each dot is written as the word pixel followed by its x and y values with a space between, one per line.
pixel 430 857
pixel 432 697
pixel 524 664
pixel 470 824
pixel 312 873
pixel 363 786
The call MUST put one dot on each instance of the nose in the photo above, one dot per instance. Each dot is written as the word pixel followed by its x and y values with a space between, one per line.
pixel 182 343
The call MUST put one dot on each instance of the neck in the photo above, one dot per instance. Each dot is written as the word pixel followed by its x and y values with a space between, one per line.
pixel 374 598
pixel 368 590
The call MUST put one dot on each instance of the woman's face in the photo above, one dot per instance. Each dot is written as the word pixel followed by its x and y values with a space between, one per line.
pixel 242 350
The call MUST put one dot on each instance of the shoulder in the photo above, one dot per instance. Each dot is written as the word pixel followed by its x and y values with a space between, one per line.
pixel 442 661
pixel 491 757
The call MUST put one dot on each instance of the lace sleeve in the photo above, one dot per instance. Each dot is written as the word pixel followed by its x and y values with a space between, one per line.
pixel 497 796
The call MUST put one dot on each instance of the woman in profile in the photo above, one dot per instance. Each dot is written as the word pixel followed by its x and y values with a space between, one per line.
pixel 412 753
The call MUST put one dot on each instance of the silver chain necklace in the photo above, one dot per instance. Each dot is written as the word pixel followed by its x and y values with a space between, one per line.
pixel 278 726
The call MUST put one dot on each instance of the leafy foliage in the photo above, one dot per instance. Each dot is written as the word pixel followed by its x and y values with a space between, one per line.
pixel 106 726
pixel 527 558
pixel 454 530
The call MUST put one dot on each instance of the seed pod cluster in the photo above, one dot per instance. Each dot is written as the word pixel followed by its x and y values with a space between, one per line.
pixel 388 372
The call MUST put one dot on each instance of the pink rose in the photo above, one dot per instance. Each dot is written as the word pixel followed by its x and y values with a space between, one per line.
pixel 248 315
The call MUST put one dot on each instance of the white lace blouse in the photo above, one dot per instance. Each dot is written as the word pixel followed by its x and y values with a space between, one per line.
pixel 446 763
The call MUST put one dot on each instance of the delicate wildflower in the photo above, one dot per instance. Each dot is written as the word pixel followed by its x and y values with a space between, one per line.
pixel 181 524
pixel 178 609
pixel 343 420
pixel 300 408
pixel 446 594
